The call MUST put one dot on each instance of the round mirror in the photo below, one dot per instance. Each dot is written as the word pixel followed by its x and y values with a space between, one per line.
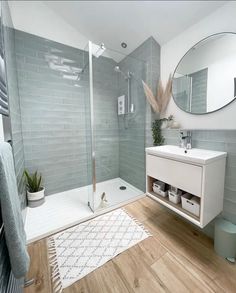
pixel 204 81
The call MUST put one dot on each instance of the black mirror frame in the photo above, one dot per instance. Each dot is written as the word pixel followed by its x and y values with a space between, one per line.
pixel 234 33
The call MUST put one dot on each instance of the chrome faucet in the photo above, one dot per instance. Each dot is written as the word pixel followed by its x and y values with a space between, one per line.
pixel 185 139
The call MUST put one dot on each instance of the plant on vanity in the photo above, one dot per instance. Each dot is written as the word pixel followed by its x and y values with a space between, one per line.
pixel 158 139
pixel 35 192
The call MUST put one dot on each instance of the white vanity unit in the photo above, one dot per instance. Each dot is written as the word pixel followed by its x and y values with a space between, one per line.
pixel 198 172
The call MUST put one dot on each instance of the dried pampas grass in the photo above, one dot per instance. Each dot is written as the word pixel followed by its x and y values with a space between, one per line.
pixel 160 101
pixel 151 98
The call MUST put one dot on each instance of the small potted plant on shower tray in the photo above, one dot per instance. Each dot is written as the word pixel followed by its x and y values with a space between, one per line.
pixel 35 191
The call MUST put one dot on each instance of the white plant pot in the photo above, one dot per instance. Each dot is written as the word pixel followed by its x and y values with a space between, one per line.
pixel 175 125
pixel 164 125
pixel 170 123
pixel 35 196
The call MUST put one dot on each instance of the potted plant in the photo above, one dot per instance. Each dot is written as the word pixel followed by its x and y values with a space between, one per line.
pixel 35 192
pixel 158 138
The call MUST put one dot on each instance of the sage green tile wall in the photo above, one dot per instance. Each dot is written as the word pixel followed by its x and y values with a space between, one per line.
pixel 132 126
pixel 191 91
pixel 181 88
pixel 135 129
pixel 14 101
pixel 153 77
pixel 56 115
pixel 106 129
pixel 199 91
pixel 219 140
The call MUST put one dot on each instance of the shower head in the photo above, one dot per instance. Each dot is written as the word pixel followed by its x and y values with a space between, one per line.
pixel 98 50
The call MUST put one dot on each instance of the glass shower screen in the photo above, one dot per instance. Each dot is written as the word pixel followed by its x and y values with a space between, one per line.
pixel 117 108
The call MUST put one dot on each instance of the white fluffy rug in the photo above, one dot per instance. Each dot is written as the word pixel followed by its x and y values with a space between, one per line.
pixel 77 251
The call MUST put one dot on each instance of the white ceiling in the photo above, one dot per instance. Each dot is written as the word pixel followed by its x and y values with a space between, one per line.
pixel 113 22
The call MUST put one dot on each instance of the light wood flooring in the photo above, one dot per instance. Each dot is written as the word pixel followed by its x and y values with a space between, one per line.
pixel 177 258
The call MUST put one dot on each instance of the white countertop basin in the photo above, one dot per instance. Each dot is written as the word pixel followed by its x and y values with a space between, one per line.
pixel 191 156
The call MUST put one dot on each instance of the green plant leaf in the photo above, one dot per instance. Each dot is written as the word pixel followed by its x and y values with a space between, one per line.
pixel 158 139
pixel 39 182
pixel 29 180
pixel 33 182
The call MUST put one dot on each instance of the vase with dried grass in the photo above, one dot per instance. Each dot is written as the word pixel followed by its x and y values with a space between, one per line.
pixel 158 104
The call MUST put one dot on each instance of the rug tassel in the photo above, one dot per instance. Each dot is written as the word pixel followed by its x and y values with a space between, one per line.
pixel 55 273
pixel 138 223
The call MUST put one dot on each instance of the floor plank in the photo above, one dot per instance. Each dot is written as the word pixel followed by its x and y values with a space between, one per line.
pixel 136 273
pixel 177 258
pixel 176 278
pixel 39 268
pixel 144 209
pixel 151 249
pixel 103 280
pixel 198 256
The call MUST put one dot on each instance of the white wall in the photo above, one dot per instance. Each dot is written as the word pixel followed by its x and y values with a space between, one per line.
pixel 36 18
pixel 221 20
pixel 220 83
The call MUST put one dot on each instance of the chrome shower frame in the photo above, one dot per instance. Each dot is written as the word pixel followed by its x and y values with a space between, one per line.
pixel 91 205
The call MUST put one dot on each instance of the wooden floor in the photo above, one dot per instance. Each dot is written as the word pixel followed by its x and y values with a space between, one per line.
pixel 177 258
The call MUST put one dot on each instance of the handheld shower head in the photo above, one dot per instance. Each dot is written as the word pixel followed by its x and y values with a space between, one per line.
pixel 117 69
pixel 126 76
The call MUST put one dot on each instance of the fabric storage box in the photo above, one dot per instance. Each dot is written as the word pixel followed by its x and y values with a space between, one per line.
pixel 174 197
pixel 174 189
pixel 160 192
pixel 159 185
pixel 191 204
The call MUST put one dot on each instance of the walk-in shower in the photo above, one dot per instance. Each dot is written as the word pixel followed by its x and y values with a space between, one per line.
pixel 108 137
pixel 85 151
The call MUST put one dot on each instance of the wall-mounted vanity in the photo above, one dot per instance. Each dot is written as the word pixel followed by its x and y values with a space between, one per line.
pixel 197 172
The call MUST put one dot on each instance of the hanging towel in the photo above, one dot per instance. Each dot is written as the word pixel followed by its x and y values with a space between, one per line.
pixel 11 214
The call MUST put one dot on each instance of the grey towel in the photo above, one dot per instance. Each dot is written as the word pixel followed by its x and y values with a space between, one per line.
pixel 11 214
